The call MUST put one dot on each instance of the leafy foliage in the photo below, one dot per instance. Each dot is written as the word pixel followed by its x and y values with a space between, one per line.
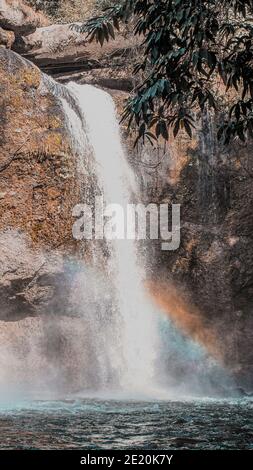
pixel 188 44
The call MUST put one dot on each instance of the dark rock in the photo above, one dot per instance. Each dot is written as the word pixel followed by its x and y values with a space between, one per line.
pixel 7 38
pixel 214 263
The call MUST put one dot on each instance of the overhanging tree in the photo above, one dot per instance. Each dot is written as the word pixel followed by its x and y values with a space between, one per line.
pixel 187 45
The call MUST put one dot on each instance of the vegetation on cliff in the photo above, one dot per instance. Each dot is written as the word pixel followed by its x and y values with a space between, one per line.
pixel 187 45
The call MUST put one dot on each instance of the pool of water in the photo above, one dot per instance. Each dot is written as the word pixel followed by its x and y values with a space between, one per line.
pixel 107 424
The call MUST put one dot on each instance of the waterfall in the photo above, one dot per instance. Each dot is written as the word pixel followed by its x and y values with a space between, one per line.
pixel 136 350
pixel 132 351
pixel 114 341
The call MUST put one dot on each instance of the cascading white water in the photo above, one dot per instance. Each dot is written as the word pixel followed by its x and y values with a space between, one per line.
pixel 134 330
pixel 117 343
pixel 136 350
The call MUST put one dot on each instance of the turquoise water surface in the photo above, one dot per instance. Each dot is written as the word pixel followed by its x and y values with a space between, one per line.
pixel 118 424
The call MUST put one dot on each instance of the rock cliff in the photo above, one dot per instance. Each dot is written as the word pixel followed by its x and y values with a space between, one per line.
pixel 212 269
pixel 38 185
pixel 37 169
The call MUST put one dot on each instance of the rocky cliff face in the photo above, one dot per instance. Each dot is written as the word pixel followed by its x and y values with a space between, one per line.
pixel 40 183
pixel 213 266
pixel 37 168
pixel 38 188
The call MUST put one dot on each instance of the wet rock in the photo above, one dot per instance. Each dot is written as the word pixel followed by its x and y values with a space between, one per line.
pixel 36 281
pixel 213 265
pixel 23 270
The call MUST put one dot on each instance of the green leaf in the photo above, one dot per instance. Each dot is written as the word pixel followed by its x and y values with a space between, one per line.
pixel 111 30
pixel 184 44
pixel 164 130
pixel 187 127
pixel 106 32
pixel 116 23
pixel 100 36
pixel 176 128
pixel 237 112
